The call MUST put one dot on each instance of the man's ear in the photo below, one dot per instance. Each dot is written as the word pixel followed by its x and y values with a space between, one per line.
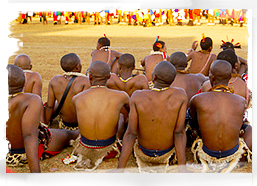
pixel 30 67
pixel 153 77
pixel 90 77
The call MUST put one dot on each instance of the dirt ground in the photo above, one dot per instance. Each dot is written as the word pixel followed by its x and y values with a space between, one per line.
pixel 46 44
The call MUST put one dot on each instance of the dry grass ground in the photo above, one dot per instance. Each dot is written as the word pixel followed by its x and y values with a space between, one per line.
pixel 46 44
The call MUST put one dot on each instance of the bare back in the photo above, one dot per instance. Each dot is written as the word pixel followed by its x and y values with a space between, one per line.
pixel 56 89
pixel 159 114
pixel 220 117
pixel 98 111
pixel 33 83
pixel 191 83
pixel 198 62
pixel 238 85
pixel 105 56
pixel 149 62
pixel 24 114
pixel 130 85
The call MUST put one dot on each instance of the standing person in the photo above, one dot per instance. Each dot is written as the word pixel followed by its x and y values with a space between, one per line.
pixel 105 54
pixel 218 113
pixel 33 83
pixel 157 55
pixel 157 120
pixel 98 111
pixel 71 64
pixel 201 60
pixel 28 139
pixel 44 17
pixel 191 83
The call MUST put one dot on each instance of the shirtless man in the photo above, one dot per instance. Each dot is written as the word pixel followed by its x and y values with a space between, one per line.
pixel 157 119
pixel 103 53
pixel 157 55
pixel 98 111
pixel 124 80
pixel 220 123
pixel 33 82
pixel 71 64
pixel 191 83
pixel 23 123
pixel 239 86
pixel 242 62
pixel 201 60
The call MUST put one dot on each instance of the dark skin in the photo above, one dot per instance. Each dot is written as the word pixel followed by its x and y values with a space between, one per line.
pixel 56 89
pixel 191 83
pixel 239 86
pixel 102 55
pixel 224 115
pixel 98 109
pixel 33 82
pixel 198 59
pixel 138 82
pixel 150 115
pixel 24 117
pixel 150 61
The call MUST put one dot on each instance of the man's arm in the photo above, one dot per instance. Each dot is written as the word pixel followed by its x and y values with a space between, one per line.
pixel 143 82
pixel 180 135
pixel 30 122
pixel 143 62
pixel 192 49
pixel 49 108
pixel 130 135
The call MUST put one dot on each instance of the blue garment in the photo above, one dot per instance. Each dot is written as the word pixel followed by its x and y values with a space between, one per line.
pixel 99 143
pixel 154 153
pixel 220 154
pixel 17 151
pixel 70 124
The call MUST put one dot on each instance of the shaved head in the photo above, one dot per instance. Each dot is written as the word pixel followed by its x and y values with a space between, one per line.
pixel 228 55
pixel 220 72
pixel 100 70
pixel 179 60
pixel 23 61
pixel 16 78
pixel 127 61
pixel 69 62
pixel 164 72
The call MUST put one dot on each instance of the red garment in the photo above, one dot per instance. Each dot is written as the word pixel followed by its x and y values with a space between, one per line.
pixel 191 14
pixel 8 170
pixel 199 91
pixel 197 12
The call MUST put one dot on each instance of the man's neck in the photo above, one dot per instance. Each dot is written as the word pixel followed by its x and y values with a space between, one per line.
pixel 160 85
pixel 125 74
pixel 13 90
pixel 98 83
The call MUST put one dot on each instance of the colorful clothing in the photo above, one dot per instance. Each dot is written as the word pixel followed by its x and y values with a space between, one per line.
pixel 68 126
pixel 155 161
pixel 92 152
pixel 17 157
pixel 223 162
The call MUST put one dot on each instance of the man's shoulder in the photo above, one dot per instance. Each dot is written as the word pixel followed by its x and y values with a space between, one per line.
pixel 177 91
pixel 31 98
pixel 140 77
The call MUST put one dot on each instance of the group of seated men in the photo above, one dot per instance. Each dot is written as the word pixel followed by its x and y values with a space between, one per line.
pixel 112 112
